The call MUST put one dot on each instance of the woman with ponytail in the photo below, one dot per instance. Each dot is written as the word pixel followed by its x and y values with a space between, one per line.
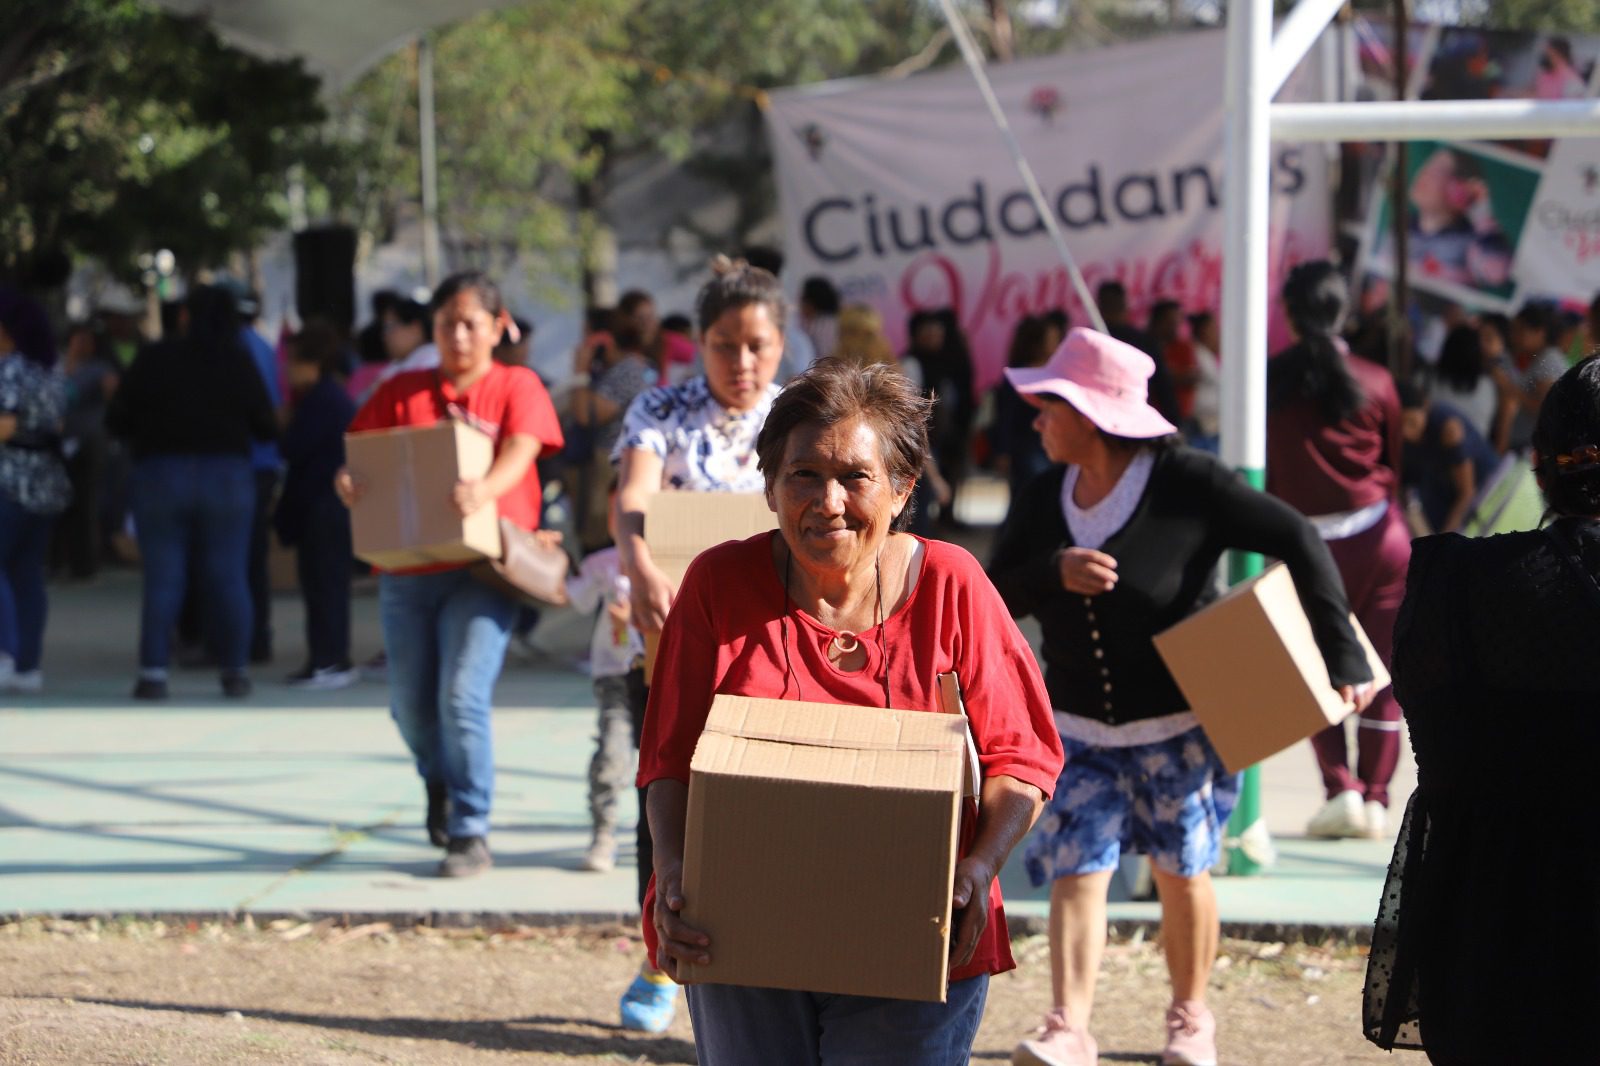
pixel 1494 661
pixel 1334 440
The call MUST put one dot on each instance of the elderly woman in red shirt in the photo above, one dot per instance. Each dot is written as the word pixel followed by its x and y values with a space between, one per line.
pixel 840 606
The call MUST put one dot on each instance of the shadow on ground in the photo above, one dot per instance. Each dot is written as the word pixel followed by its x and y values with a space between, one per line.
pixel 541 1033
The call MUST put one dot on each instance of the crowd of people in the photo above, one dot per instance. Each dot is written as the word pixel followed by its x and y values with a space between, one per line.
pixel 201 446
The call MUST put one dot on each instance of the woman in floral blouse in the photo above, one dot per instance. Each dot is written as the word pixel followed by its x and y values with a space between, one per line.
pixel 698 436
pixel 33 482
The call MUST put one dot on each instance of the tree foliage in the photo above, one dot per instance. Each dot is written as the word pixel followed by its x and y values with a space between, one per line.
pixel 539 103
pixel 124 129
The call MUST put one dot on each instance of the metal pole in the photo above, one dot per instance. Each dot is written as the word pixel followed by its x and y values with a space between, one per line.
pixel 1247 152
pixel 974 59
pixel 427 134
pixel 1399 296
pixel 1418 120
pixel 1295 38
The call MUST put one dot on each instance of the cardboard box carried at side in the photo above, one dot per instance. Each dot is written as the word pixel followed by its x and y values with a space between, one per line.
pixel 405 516
pixel 680 525
pixel 820 846
pixel 1251 670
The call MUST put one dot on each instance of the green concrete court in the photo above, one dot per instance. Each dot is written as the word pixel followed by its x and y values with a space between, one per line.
pixel 306 803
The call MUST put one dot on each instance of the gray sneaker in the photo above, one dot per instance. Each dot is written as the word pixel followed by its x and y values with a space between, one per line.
pixel 466 857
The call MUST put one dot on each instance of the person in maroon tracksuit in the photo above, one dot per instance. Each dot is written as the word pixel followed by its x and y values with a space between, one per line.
pixel 1334 441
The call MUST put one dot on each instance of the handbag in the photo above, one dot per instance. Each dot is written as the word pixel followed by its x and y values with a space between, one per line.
pixel 529 570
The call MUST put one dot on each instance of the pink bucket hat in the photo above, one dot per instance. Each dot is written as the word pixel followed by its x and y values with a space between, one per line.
pixel 1106 379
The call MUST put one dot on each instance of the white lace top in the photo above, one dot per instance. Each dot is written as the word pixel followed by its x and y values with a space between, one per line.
pixel 1091 527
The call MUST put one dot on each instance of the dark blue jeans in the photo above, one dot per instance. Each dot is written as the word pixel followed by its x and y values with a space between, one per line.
pixel 775 1027
pixel 24 541
pixel 206 502
pixel 446 634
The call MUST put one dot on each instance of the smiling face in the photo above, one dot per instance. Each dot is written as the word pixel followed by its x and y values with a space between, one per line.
pixel 466 334
pixel 743 348
pixel 833 496
pixel 1067 436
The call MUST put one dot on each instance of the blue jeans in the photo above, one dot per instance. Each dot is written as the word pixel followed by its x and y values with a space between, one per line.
pixel 205 504
pixel 734 1026
pixel 446 636
pixel 24 540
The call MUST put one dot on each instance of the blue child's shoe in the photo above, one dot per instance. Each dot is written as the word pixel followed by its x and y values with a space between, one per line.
pixel 648 1006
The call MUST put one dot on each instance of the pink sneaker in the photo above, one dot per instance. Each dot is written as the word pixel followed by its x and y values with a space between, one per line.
pixel 1191 1035
pixel 1057 1043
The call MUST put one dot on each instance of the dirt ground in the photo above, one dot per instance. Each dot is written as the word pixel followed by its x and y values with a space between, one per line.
pixel 294 992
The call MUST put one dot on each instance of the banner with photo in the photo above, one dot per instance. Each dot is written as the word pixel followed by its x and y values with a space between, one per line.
pixel 902 192
pixel 1491 225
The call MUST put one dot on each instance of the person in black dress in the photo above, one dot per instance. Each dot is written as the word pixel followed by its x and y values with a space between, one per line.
pixel 1486 940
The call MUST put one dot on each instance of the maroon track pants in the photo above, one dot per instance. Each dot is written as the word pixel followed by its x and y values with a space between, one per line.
pixel 1373 565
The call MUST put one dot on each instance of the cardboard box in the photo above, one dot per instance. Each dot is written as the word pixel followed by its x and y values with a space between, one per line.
pixel 680 525
pixel 405 518
pixel 1252 672
pixel 820 846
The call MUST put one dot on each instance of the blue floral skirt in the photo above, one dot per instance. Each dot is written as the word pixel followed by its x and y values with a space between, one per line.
pixel 1169 800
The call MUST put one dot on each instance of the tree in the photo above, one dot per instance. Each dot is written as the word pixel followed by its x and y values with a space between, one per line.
pixel 538 105
pixel 1541 16
pixel 125 130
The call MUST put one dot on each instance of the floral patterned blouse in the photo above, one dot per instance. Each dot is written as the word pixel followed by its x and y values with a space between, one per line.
pixel 31 470
pixel 703 446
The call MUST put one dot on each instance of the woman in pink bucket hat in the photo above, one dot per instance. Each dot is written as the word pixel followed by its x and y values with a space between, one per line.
pixel 1111 547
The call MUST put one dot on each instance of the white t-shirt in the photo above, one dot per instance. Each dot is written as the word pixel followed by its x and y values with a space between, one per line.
pixel 599 583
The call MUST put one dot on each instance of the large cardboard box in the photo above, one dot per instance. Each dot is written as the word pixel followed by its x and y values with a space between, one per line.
pixel 680 525
pixel 405 517
pixel 1251 671
pixel 820 846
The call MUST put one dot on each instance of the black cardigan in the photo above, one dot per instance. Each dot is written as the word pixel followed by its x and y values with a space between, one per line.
pixel 1100 661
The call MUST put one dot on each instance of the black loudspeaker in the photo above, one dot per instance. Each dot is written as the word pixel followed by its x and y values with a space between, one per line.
pixel 325 274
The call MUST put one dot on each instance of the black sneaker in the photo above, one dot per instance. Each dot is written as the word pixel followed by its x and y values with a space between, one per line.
pixel 468 857
pixel 236 686
pixel 149 689
pixel 438 815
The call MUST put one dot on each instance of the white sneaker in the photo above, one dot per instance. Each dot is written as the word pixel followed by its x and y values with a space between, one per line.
pixel 326 678
pixel 25 681
pixel 602 854
pixel 1377 816
pixel 1342 816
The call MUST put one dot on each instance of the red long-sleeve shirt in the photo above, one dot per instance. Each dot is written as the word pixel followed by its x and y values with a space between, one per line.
pixel 729 630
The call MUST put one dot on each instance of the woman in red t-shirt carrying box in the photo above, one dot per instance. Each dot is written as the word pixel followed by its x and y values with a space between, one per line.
pixel 446 633
pixel 839 605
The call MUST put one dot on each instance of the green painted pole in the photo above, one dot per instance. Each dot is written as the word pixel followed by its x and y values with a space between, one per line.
pixel 1250 845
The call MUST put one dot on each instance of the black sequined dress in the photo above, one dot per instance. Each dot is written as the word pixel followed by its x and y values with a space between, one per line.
pixel 1487 943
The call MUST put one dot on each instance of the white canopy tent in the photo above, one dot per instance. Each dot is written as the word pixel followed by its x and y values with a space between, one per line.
pixel 338 39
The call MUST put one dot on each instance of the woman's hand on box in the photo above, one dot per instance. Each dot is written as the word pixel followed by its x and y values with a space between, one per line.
pixel 677 940
pixel 347 487
pixel 1358 697
pixel 970 901
pixel 651 594
pixel 1085 571
pixel 471 496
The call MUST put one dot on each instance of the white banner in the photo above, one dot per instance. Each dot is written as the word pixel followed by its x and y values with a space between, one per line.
pixel 903 194
pixel 1560 251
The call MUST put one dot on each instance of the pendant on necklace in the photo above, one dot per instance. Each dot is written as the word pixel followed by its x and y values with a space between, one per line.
pixel 845 643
